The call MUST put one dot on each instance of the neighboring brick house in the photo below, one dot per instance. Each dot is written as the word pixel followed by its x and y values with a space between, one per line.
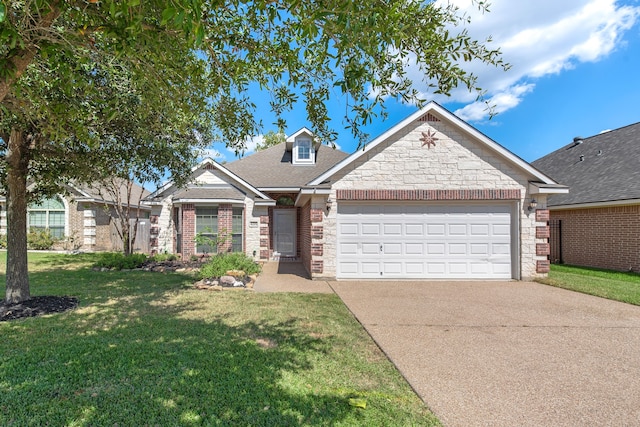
pixel 83 219
pixel 430 198
pixel 598 222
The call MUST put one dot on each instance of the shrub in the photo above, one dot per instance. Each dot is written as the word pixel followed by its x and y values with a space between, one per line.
pixel 219 264
pixel 164 257
pixel 119 261
pixel 40 239
pixel 3 241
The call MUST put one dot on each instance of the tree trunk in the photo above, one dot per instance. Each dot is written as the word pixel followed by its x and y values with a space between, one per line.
pixel 17 169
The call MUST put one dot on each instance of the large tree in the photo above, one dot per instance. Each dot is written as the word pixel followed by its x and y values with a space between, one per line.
pixel 57 57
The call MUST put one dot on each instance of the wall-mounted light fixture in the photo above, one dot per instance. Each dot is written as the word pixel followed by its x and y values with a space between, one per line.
pixel 329 203
pixel 533 204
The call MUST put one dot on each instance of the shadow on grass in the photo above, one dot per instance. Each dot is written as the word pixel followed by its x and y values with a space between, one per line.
pixel 130 359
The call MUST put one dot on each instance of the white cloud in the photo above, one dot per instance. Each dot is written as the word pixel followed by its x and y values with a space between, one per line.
pixel 538 39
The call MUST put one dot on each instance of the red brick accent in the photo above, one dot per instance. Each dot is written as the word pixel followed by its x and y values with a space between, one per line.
pixel 153 219
pixel 264 253
pixel 317 232
pixel 317 215
pixel 542 232
pixel 188 230
pixel 542 249
pixel 264 231
pixel 604 237
pixel 542 215
pixel 264 219
pixel 317 266
pixel 480 194
pixel 225 227
pixel 317 249
pixel 543 266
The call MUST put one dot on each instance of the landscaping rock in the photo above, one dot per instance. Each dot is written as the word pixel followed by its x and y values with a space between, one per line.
pixel 227 280
pixel 236 273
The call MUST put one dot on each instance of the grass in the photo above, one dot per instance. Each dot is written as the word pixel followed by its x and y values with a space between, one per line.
pixel 615 285
pixel 147 349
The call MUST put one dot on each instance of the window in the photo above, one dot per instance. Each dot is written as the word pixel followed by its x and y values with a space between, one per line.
pixel 207 226
pixel 236 232
pixel 303 151
pixel 48 214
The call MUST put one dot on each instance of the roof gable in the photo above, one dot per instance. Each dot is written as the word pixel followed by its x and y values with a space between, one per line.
pixel 603 168
pixel 223 183
pixel 434 112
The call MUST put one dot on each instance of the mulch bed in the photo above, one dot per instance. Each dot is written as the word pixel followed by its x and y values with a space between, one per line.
pixel 36 306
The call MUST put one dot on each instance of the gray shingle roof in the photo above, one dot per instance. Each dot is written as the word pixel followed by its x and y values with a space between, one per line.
pixel 603 168
pixel 273 168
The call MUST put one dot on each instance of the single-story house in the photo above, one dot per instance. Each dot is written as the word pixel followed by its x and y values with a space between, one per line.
pixel 597 224
pixel 84 218
pixel 430 198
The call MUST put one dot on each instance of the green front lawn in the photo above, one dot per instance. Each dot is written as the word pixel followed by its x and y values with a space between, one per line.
pixel 613 285
pixel 146 349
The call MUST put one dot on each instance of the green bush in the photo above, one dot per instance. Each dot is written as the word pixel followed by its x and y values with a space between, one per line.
pixel 219 264
pixel 40 239
pixel 118 261
pixel 164 257
pixel 3 241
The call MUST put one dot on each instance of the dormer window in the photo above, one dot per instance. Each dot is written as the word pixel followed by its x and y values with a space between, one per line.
pixel 303 152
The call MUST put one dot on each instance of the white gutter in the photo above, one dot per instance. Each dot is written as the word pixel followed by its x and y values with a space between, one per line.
pixel 627 202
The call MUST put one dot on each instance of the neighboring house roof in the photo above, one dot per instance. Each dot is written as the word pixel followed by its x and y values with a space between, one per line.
pixel 97 193
pixel 604 168
pixel 272 168
pixel 545 184
pixel 92 193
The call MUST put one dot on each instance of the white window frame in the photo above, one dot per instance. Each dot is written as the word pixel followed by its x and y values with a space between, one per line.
pixel 296 152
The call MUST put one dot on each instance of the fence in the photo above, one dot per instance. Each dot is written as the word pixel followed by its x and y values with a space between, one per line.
pixel 142 236
pixel 555 241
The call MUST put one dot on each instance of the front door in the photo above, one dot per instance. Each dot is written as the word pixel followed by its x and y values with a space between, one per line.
pixel 285 231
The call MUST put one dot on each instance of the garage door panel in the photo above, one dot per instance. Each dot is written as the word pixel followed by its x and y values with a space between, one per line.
pixel 396 240
pixel 370 249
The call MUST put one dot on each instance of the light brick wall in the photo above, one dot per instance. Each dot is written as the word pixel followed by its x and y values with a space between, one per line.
pixel 455 166
pixel 607 237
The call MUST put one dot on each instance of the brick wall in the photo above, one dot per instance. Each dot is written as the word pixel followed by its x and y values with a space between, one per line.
pixel 188 230
pixel 601 237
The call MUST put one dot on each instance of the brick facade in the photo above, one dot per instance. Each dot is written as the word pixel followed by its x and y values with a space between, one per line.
pixel 304 230
pixel 225 227
pixel 188 230
pixel 436 195
pixel 607 237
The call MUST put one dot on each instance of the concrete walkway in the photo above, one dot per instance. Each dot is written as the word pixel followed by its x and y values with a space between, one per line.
pixel 286 276
pixel 507 353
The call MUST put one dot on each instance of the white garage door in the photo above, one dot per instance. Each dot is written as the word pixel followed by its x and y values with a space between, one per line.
pixel 390 241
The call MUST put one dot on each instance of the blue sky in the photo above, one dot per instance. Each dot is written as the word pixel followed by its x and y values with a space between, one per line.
pixel 575 72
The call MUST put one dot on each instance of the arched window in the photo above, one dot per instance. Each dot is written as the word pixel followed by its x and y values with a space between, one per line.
pixel 48 213
pixel 285 201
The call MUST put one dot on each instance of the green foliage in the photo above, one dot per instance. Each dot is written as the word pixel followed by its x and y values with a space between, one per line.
pixel 615 285
pixel 3 241
pixel 208 241
pixel 119 261
pixel 40 239
pixel 270 139
pixel 221 263
pixel 164 257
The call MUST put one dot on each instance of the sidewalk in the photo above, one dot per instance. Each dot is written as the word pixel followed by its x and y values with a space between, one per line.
pixel 282 276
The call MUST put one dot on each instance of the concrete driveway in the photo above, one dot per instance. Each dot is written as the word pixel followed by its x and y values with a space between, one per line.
pixel 507 353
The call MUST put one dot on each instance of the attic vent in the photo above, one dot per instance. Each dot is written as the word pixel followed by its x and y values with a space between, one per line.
pixel 210 167
pixel 428 118
pixel 582 158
